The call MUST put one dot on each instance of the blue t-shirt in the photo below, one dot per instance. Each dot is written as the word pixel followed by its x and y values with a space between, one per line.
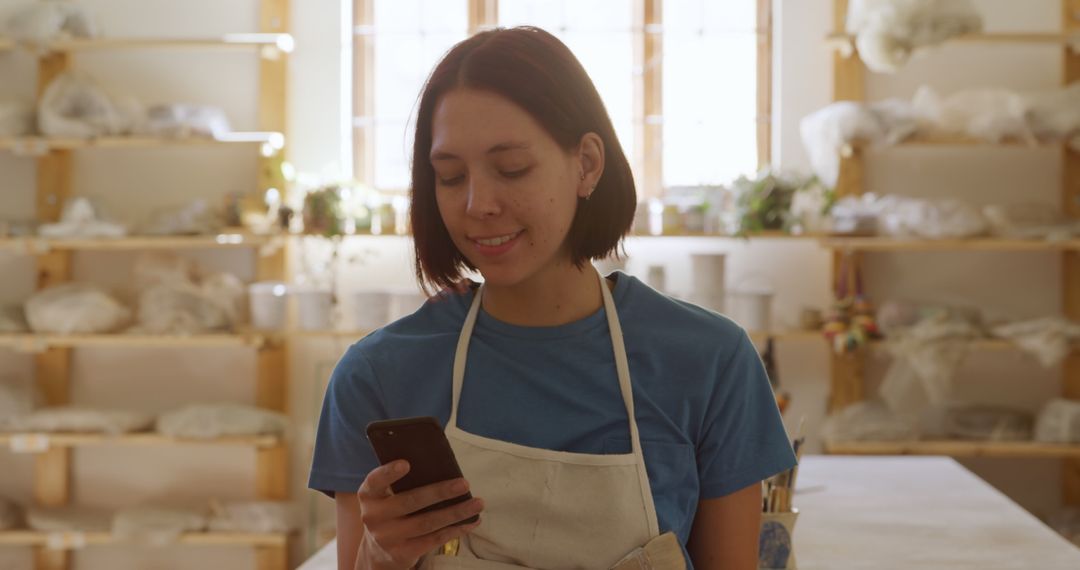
pixel 707 418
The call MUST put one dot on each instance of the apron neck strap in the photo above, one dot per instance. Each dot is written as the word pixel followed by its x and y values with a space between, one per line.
pixel 622 365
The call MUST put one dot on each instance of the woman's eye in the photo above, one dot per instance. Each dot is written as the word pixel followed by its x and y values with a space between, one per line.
pixel 450 181
pixel 515 173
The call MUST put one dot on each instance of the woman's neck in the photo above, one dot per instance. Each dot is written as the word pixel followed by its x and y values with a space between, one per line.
pixel 556 296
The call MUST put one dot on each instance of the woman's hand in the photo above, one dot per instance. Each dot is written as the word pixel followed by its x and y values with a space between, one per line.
pixel 394 538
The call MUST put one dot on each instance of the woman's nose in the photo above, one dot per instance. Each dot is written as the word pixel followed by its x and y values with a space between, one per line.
pixel 483 199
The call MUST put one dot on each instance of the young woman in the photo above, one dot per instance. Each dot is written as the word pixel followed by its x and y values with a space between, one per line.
pixel 594 416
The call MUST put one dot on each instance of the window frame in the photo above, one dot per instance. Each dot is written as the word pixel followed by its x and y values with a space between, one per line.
pixel 647 162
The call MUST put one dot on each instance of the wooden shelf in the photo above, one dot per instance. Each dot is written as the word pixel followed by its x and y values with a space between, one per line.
pixel 36 538
pixel 972 244
pixel 986 344
pixel 938 141
pixel 38 245
pixel 283 42
pixel 38 145
pixel 846 42
pixel 956 449
pixel 770 235
pixel 34 441
pixel 786 336
pixel 329 334
pixel 30 342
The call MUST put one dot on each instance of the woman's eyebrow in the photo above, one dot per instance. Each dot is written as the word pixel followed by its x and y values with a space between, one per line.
pixel 501 147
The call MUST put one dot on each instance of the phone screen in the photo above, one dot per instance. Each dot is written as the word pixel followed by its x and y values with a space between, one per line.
pixel 422 443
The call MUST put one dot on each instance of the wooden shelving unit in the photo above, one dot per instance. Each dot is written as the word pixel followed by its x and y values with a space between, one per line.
pixel 1000 449
pixel 37 146
pixel 52 486
pixel 846 42
pixel 44 442
pixel 38 342
pixel 847 371
pixel 880 244
pixel 38 245
pixel 282 42
pixel 43 539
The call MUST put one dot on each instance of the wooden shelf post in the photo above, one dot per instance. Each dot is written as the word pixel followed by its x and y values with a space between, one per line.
pixel 52 368
pixel 846 370
pixel 648 99
pixel 272 464
pixel 1071 260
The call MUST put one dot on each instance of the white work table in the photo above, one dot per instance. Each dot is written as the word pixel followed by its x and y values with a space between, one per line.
pixel 899 513
pixel 886 513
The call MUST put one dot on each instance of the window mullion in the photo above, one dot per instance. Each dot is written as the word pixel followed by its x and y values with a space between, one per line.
pixel 764 82
pixel 648 97
pixel 483 15
pixel 363 98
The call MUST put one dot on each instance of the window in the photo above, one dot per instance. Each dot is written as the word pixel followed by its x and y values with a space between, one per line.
pixel 709 91
pixel 686 82
pixel 600 33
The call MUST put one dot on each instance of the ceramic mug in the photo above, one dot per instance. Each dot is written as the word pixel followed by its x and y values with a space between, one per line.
pixel 776 548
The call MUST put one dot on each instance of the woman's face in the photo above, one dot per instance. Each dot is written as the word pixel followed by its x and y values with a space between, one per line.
pixel 505 189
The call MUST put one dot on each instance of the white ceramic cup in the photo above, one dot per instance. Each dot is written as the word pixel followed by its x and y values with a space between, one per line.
pixel 371 309
pixel 406 303
pixel 707 289
pixel 314 309
pixel 751 308
pixel 268 304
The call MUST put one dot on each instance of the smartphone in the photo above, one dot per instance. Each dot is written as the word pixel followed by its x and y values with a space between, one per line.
pixel 422 443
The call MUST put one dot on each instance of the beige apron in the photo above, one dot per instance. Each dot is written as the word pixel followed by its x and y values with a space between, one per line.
pixel 553 509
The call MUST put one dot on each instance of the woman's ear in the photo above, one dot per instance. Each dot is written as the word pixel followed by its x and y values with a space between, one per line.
pixel 591 153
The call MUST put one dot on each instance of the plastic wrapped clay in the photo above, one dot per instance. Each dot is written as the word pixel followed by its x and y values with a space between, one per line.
pixel 1030 221
pixel 180 308
pixel 889 31
pixel 11 515
pixel 156 526
pixel 253 517
pixel 16 399
pixel 1048 339
pixel 212 421
pixel 197 218
pixel 16 119
pixel 984 423
pixel 990 115
pixel 81 219
pixel 926 358
pixel 903 217
pixel 183 121
pixel 68 519
pixel 66 419
pixel 868 421
pixel 75 308
pixel 1059 422
pixel 826 132
pixel 157 268
pixel 75 106
pixel 39 23
pixel 13 320
pixel 1055 114
pixel 175 300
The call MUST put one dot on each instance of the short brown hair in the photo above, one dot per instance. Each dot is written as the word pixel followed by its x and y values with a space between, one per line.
pixel 537 72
